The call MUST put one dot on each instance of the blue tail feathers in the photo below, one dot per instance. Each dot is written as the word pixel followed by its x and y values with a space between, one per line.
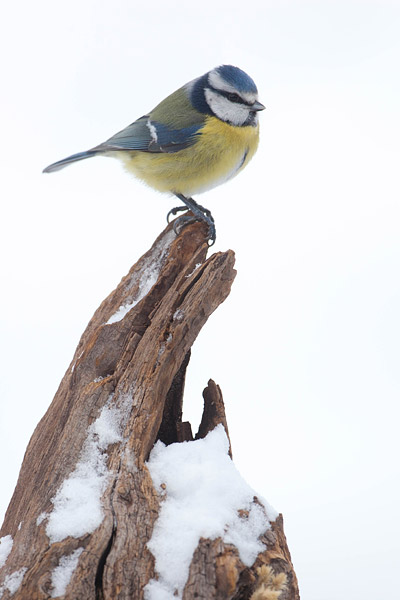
pixel 70 159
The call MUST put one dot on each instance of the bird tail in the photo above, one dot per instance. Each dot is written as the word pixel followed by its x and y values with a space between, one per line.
pixel 60 164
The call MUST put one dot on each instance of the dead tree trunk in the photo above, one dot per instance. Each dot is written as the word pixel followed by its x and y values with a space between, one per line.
pixel 85 505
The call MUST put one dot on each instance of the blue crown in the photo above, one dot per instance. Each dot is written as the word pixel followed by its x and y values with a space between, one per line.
pixel 237 78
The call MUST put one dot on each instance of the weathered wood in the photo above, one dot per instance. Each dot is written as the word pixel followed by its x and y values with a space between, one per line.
pixel 133 359
pixel 213 412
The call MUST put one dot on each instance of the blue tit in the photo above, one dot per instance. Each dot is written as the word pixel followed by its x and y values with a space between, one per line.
pixel 197 138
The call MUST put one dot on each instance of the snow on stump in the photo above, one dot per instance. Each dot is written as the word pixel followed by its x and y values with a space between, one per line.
pixel 115 498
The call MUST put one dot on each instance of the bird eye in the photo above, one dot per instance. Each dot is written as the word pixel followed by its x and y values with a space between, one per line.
pixel 234 97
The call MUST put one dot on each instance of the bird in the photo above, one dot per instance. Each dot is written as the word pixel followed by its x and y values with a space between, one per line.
pixel 197 138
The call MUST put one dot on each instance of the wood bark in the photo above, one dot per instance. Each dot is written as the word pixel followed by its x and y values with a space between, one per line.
pixel 141 358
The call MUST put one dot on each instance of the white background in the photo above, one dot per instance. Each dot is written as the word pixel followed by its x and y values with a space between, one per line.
pixel 306 348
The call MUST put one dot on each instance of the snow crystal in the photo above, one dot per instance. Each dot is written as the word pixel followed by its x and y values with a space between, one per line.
pixel 77 503
pixel 203 494
pixel 6 543
pixel 13 581
pixel 61 575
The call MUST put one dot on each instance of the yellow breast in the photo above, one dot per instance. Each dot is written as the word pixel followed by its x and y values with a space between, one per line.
pixel 220 153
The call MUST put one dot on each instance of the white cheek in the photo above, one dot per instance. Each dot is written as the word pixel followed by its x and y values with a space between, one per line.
pixel 226 111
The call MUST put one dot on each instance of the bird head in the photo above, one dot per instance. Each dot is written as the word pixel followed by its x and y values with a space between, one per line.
pixel 227 93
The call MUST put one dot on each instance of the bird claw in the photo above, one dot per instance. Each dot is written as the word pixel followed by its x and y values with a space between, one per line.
pixel 175 210
pixel 199 213
pixel 185 220
pixel 212 234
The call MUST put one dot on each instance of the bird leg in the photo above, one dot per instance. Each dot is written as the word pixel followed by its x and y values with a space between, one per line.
pixel 199 214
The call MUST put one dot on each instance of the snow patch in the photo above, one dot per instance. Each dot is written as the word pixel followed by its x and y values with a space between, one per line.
pixel 146 277
pixel 6 543
pixel 41 518
pixel 147 280
pixel 123 310
pixel 77 503
pixel 62 574
pixel 178 314
pixel 205 496
pixel 73 366
pixel 13 581
pixel 196 267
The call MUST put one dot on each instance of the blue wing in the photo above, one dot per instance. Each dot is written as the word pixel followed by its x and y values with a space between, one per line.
pixel 146 135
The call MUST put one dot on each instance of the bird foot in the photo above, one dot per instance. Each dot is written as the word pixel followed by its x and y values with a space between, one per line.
pixel 185 220
pixel 199 213
pixel 174 211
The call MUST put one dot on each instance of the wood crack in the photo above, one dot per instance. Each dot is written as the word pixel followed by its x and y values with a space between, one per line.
pixel 98 582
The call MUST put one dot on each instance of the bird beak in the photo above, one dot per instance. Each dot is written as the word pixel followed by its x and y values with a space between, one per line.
pixel 257 106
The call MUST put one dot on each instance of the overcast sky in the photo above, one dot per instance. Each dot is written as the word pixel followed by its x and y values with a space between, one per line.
pixel 306 348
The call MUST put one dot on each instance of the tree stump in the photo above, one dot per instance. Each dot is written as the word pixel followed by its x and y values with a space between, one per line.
pixel 81 519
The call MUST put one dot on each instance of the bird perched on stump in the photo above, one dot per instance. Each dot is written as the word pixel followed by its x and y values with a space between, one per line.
pixel 197 138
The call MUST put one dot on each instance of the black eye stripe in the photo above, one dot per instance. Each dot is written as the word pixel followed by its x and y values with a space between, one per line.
pixel 231 96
